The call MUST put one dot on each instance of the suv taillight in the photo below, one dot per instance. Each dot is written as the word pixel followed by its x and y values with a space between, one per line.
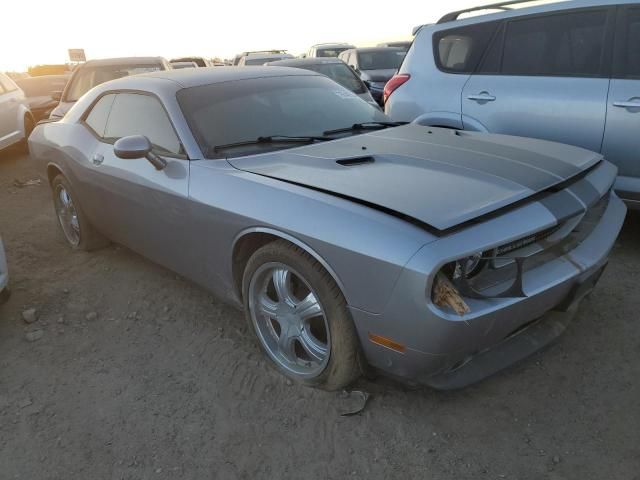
pixel 393 84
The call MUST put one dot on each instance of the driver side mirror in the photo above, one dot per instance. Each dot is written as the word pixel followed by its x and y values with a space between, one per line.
pixel 56 96
pixel 138 146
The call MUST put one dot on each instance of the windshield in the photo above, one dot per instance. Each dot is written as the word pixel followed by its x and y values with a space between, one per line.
pixel 330 52
pixel 42 86
pixel 340 73
pixel 258 61
pixel 88 77
pixel 244 110
pixel 380 59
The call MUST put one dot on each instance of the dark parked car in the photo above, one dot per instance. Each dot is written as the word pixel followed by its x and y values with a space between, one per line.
pixel 375 66
pixel 199 61
pixel 95 72
pixel 41 93
pixel 335 69
pixel 404 45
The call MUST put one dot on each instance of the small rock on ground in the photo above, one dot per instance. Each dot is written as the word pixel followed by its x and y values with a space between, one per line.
pixel 30 315
pixel 34 336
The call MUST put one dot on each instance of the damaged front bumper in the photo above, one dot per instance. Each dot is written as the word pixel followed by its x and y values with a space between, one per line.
pixel 446 350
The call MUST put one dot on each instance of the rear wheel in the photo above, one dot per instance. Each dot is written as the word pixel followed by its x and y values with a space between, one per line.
pixel 300 317
pixel 75 226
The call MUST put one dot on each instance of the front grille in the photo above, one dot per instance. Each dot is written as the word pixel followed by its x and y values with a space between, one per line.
pixel 524 242
pixel 540 248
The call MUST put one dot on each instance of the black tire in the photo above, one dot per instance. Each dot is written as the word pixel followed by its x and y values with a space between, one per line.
pixel 345 358
pixel 4 295
pixel 88 237
pixel 29 125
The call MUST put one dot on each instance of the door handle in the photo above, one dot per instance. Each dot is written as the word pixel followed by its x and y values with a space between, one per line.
pixel 482 97
pixel 98 159
pixel 627 104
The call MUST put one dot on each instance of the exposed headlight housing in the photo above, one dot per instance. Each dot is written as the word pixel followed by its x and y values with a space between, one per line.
pixel 469 266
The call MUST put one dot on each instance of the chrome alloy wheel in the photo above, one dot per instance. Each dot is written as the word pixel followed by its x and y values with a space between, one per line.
pixel 289 320
pixel 67 215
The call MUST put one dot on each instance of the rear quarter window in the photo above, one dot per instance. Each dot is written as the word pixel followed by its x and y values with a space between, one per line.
pixel 459 50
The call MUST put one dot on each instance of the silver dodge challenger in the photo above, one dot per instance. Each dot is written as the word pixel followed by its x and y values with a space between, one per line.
pixel 352 242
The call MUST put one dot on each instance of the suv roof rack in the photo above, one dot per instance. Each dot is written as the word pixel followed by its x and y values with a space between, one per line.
pixel 450 17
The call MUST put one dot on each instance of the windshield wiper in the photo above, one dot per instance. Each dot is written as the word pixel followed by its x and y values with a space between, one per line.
pixel 271 139
pixel 365 126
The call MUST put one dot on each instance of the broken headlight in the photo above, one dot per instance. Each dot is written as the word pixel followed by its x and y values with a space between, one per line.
pixel 469 267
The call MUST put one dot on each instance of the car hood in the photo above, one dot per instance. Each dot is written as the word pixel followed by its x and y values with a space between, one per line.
pixel 438 177
pixel 378 75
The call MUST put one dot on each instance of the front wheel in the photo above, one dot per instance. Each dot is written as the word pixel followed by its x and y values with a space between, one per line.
pixel 300 317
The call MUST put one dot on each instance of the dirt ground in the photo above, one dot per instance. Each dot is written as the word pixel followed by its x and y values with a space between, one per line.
pixel 139 374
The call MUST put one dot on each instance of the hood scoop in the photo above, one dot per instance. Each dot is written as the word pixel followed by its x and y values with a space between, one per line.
pixel 352 162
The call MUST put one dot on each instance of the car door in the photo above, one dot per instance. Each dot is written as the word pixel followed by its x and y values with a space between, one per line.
pixel 9 108
pixel 621 143
pixel 544 76
pixel 141 207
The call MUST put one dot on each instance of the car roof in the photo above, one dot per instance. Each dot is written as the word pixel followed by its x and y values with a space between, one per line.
pixel 123 61
pixel 330 45
pixel 379 49
pixel 196 77
pixel 552 6
pixel 294 62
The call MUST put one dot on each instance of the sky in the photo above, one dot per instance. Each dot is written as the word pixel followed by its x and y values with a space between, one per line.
pixel 40 31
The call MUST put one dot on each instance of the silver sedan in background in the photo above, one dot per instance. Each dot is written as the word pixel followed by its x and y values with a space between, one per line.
pixel 350 241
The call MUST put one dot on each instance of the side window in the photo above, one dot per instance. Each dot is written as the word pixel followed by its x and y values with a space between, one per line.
pixel 138 114
pixel 570 44
pixel 459 50
pixel 628 42
pixel 7 84
pixel 97 118
pixel 81 83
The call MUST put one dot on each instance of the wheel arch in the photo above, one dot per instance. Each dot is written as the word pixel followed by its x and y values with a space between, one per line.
pixel 53 170
pixel 250 240
pixel 24 112
pixel 440 119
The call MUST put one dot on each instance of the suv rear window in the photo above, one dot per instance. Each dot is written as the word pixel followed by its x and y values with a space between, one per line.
pixel 459 50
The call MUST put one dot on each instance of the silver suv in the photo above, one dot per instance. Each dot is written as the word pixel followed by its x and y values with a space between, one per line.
pixel 565 71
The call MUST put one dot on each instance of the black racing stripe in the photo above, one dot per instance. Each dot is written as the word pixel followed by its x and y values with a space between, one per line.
pixel 523 174
pixel 562 205
pixel 488 145
pixel 586 192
